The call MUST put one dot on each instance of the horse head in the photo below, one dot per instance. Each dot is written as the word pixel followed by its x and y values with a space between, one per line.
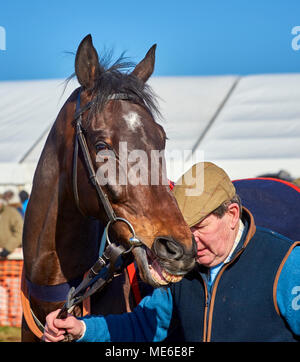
pixel 126 149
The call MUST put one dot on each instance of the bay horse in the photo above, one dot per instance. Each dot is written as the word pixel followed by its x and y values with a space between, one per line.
pixel 65 216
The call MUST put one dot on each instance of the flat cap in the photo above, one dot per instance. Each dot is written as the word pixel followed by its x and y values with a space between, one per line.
pixel 201 190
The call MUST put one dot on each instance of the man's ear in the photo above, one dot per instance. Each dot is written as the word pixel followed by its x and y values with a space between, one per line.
pixel 87 66
pixel 234 212
pixel 145 68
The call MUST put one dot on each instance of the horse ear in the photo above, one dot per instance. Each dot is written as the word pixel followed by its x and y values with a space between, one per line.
pixel 87 63
pixel 145 68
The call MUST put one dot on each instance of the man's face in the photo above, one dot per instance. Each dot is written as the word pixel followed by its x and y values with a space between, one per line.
pixel 214 237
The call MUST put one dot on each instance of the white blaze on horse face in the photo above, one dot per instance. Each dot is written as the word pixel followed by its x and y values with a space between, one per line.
pixel 133 121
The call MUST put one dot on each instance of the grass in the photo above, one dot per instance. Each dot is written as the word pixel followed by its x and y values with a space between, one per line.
pixel 10 334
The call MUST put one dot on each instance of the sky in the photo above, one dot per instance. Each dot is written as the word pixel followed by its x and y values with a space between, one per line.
pixel 38 38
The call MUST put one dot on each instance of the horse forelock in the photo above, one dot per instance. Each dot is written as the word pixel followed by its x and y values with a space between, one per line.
pixel 117 78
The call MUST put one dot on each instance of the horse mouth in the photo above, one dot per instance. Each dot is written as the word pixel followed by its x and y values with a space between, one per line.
pixel 160 275
pixel 151 270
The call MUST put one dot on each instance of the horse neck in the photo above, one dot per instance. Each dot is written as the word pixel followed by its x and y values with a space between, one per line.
pixel 59 244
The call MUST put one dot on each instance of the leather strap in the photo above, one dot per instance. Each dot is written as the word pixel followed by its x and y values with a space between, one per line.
pixel 27 312
pixel 81 141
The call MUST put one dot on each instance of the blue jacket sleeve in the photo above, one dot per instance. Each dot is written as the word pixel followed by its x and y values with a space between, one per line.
pixel 288 291
pixel 148 322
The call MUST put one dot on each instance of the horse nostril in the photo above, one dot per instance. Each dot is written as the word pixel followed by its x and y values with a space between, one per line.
pixel 167 248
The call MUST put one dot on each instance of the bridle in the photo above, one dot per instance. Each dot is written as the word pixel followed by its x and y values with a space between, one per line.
pixel 109 252
pixel 112 257
pixel 80 140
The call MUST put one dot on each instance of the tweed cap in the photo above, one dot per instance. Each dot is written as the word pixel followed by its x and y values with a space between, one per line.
pixel 214 185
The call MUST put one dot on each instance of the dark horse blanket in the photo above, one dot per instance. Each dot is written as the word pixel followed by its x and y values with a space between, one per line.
pixel 275 204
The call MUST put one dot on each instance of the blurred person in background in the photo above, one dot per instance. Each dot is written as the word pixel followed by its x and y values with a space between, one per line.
pixel 11 228
pixel 13 200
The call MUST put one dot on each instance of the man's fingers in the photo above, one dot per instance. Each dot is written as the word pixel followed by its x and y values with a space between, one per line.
pixel 64 323
pixel 50 321
pixel 50 336
pixel 53 332
pixel 56 328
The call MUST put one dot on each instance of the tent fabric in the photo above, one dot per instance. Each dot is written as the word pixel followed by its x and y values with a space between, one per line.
pixel 188 104
pixel 275 204
pixel 248 125
pixel 28 110
pixel 259 128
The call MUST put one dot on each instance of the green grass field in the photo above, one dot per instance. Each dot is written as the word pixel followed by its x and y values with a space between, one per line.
pixel 10 334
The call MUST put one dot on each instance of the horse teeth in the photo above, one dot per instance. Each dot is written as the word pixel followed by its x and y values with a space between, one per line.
pixel 159 281
pixel 162 277
pixel 171 278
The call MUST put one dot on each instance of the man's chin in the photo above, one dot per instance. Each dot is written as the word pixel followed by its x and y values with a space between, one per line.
pixel 204 261
pixel 207 260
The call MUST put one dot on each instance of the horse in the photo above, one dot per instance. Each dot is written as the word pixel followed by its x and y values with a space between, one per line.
pixel 69 207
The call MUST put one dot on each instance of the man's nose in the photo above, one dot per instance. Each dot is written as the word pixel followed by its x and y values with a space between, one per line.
pixel 198 241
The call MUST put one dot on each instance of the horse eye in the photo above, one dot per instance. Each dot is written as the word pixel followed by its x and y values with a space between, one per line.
pixel 103 151
pixel 101 146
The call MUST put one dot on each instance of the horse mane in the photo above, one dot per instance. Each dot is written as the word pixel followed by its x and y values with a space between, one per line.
pixel 117 78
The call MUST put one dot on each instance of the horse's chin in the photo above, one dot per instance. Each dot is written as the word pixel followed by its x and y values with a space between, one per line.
pixel 150 269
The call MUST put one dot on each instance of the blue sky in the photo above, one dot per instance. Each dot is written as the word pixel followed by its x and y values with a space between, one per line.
pixel 194 37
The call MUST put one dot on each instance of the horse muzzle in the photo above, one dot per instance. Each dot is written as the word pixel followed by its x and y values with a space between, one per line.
pixel 166 263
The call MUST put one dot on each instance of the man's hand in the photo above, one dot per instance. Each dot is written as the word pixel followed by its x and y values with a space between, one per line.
pixel 56 328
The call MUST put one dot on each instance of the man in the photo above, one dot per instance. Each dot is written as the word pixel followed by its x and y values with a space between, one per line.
pixel 245 287
pixel 11 227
